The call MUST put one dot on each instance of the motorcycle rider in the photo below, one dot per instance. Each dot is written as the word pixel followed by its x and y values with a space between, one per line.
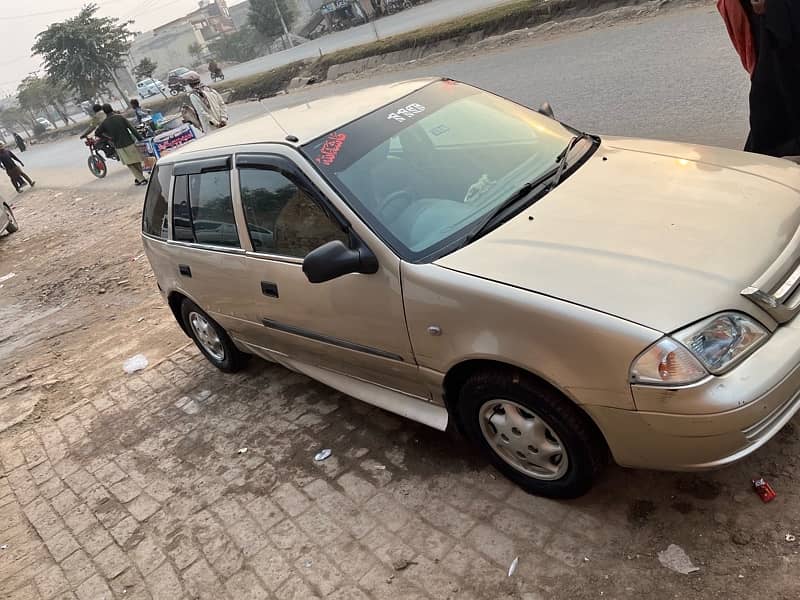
pixel 206 101
pixel 214 69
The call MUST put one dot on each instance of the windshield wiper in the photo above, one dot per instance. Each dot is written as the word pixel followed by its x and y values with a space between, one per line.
pixel 493 218
pixel 552 178
pixel 561 159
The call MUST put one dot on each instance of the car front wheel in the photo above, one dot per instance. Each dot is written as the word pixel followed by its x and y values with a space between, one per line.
pixel 211 339
pixel 537 438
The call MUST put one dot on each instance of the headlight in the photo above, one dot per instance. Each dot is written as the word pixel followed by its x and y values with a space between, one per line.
pixel 711 346
pixel 722 341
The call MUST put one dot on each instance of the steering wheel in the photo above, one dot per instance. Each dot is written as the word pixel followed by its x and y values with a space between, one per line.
pixel 395 198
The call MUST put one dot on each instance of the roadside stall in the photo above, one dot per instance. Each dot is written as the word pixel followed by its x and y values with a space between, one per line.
pixel 163 143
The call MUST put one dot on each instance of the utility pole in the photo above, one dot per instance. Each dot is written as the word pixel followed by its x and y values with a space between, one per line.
pixel 285 29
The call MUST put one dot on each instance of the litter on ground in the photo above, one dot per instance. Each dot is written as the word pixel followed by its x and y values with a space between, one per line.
pixel 322 455
pixel 135 363
pixel 676 559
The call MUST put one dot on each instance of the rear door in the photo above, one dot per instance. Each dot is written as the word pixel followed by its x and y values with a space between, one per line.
pixel 205 253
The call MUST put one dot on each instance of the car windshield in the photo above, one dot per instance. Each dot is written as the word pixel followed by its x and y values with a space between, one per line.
pixel 424 170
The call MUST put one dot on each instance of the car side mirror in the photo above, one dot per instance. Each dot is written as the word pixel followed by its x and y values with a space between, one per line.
pixel 334 259
pixel 547 110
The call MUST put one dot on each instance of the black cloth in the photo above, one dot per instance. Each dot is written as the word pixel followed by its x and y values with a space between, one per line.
pixel 775 88
pixel 7 158
pixel 119 130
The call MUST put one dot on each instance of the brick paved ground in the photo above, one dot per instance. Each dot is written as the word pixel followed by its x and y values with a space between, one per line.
pixel 139 491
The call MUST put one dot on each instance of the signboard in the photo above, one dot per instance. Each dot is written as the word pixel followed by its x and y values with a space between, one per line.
pixel 168 141
pixel 154 148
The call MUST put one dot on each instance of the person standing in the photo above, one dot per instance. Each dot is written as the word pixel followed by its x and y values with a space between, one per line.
pixel 141 113
pixel 14 172
pixel 766 34
pixel 207 103
pixel 124 137
pixel 19 141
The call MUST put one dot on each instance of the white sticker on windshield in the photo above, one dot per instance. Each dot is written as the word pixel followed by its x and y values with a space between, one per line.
pixel 401 115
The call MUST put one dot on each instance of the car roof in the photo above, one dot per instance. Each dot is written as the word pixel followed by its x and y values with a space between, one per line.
pixel 306 121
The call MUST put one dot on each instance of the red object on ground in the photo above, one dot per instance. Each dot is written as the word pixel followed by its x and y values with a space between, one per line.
pixel 739 30
pixel 764 490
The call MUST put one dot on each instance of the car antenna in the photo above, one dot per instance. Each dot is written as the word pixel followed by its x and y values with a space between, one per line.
pixel 289 137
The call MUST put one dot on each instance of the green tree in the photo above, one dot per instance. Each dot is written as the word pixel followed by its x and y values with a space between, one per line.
pixel 145 68
pixel 15 119
pixel 264 17
pixel 245 44
pixel 196 51
pixel 39 95
pixel 84 51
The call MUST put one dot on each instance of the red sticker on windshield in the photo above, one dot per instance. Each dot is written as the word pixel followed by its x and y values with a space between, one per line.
pixel 330 149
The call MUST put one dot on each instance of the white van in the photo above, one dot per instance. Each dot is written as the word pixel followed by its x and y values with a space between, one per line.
pixel 149 87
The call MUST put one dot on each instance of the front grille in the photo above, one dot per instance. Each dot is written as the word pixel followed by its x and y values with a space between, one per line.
pixel 777 290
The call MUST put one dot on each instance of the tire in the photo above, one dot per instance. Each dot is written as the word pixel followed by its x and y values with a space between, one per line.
pixel 221 353
pixel 513 397
pixel 97 166
pixel 12 226
pixel 173 92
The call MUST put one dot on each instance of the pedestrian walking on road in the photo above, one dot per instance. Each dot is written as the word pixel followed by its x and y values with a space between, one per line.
pixel 207 103
pixel 17 176
pixel 124 137
pixel 19 141
pixel 766 34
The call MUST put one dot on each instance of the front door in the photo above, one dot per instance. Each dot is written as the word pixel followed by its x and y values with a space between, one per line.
pixel 354 325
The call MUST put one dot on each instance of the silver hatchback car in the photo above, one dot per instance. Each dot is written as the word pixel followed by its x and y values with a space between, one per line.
pixel 456 258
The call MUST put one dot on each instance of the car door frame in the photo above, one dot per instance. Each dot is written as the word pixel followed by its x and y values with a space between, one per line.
pixel 296 169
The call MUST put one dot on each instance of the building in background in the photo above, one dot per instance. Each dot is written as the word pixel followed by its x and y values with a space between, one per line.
pixel 168 45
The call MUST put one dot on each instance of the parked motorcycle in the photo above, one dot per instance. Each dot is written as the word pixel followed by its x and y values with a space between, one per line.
pixel 100 150
pixel 395 6
pixel 176 88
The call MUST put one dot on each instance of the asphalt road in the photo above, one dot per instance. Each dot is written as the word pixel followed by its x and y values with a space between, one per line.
pixel 673 77
pixel 402 22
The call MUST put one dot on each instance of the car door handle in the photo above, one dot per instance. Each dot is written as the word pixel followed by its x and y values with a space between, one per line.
pixel 269 289
pixel 185 270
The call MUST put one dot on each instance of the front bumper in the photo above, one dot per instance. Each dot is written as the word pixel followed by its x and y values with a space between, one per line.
pixel 715 422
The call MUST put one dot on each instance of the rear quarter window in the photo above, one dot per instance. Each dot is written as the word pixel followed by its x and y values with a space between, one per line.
pixel 154 216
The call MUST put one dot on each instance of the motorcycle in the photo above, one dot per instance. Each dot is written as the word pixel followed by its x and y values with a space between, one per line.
pixel 176 88
pixel 100 150
pixel 395 6
pixel 217 75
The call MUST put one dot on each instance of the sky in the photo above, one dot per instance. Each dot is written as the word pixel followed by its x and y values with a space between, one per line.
pixel 21 20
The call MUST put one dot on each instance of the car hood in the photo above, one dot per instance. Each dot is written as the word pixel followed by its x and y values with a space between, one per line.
pixel 658 233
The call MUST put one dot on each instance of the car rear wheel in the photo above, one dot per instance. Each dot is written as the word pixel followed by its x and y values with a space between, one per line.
pixel 211 339
pixel 537 438
pixel 12 226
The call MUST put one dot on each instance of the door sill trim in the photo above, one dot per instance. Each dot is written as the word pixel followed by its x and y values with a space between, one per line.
pixel 408 406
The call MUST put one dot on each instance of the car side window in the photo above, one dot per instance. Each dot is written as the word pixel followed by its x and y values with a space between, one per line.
pixel 202 210
pixel 282 218
pixel 154 216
